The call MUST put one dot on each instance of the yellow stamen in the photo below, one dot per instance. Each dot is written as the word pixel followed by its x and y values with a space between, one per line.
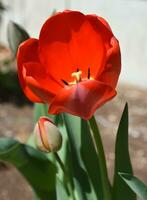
pixel 77 76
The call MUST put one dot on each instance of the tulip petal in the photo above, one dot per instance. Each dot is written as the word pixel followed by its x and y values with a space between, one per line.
pixel 113 64
pixel 68 41
pixel 112 68
pixel 27 52
pixel 82 99
pixel 105 23
pixel 36 79
pixel 101 26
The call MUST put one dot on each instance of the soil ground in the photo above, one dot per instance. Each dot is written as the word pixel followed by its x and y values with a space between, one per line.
pixel 16 121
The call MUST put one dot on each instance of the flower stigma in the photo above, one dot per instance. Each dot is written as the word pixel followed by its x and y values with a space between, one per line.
pixel 77 76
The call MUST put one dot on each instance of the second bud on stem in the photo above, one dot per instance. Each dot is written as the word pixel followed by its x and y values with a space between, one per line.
pixel 47 136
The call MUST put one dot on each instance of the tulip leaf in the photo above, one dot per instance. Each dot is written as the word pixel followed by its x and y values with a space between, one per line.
pixel 2 7
pixel 79 175
pixel 85 166
pixel 136 185
pixel 61 192
pixel 39 110
pixel 90 159
pixel 42 110
pixel 122 160
pixel 32 164
pixel 16 35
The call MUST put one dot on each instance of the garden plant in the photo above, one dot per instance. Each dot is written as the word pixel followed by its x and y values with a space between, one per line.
pixel 69 73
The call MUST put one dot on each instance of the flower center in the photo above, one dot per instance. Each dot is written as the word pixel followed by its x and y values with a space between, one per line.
pixel 77 77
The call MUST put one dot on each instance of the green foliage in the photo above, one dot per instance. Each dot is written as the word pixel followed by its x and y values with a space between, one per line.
pixel 76 167
pixel 16 35
pixel 122 160
pixel 97 142
pixel 91 163
pixel 136 185
pixel 2 7
pixel 81 161
pixel 10 89
pixel 84 159
pixel 61 192
pixel 33 165
pixel 40 110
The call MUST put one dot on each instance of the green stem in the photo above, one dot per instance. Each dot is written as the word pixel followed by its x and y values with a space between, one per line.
pixel 102 160
pixel 69 184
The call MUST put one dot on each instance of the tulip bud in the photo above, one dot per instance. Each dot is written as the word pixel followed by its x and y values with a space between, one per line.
pixel 47 136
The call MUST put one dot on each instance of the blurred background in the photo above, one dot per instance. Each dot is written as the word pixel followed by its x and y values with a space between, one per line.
pixel 128 19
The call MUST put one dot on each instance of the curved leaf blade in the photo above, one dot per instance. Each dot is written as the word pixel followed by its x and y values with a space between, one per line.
pixel 135 184
pixel 32 164
pixel 90 159
pixel 83 158
pixel 73 127
pixel 16 35
pixel 122 160
pixel 61 192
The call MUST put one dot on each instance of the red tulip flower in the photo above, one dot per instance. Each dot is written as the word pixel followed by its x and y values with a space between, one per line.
pixel 74 65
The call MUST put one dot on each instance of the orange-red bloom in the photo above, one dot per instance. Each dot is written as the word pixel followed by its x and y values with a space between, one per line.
pixel 73 66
